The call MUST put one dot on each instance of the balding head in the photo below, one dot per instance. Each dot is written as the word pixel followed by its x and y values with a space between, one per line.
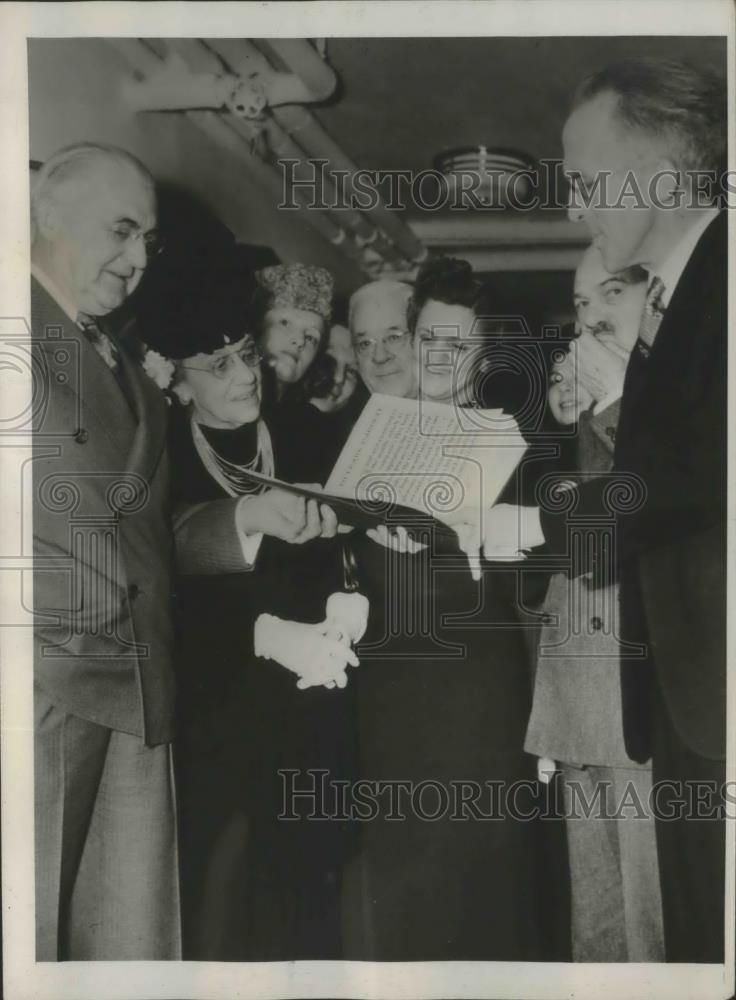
pixel 93 213
pixel 378 325
pixel 640 141
pixel 381 294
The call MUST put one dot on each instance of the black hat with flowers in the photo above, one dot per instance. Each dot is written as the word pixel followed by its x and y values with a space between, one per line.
pixel 189 308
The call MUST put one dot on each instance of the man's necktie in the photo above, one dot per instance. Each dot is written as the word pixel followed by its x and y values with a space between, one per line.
pixel 100 341
pixel 651 317
pixel 108 351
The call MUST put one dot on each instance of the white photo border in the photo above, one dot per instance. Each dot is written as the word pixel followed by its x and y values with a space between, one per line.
pixel 26 979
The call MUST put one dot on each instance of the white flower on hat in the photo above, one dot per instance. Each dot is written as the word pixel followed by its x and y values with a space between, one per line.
pixel 159 368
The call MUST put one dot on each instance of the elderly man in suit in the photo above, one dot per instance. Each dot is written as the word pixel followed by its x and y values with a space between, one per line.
pixel 642 137
pixel 106 862
pixel 382 341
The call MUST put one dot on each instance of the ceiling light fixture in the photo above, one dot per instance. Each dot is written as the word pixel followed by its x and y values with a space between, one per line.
pixel 494 177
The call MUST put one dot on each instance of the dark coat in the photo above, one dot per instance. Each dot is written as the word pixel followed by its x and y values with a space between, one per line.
pixel 253 887
pixel 671 540
pixel 307 441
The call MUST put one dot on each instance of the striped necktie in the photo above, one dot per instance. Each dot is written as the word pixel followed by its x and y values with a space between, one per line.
pixel 651 317
pixel 100 341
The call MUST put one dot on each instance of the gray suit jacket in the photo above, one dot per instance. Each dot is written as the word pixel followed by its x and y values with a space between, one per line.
pixel 576 713
pixel 102 537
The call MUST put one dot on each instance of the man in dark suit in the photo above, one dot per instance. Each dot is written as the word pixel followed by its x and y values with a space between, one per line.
pixel 641 130
pixel 106 865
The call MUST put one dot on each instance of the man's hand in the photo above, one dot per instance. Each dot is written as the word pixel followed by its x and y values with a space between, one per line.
pixel 600 367
pixel 613 344
pixel 286 516
pixel 510 531
pixel 469 531
pixel 397 539
pixel 503 532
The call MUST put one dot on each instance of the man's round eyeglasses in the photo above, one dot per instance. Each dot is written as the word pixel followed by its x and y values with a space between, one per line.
pixel 393 342
pixel 225 365
pixel 122 233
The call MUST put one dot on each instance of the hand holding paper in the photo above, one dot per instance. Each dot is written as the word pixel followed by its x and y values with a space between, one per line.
pixel 397 539
pixel 286 516
pixel 414 463
pixel 505 532
pixel 427 457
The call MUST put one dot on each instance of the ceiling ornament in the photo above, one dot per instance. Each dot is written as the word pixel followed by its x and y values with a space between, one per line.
pixel 255 105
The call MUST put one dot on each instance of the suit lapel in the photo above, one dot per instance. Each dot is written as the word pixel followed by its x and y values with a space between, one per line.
pixel 140 444
pixel 150 408
pixel 672 345
pixel 85 374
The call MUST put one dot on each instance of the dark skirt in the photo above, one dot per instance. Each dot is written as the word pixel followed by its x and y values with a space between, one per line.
pixel 466 868
pixel 257 886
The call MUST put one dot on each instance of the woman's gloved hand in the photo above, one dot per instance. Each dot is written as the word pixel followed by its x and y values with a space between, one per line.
pixel 346 617
pixel 306 650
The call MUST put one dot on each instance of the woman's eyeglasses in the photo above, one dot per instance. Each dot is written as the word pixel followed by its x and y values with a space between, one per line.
pixel 225 365
pixel 454 345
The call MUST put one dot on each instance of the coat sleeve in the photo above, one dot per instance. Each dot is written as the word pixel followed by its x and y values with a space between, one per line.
pixel 603 427
pixel 683 495
pixel 207 538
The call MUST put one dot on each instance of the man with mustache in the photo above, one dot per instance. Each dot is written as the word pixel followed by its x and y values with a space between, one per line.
pixel 576 714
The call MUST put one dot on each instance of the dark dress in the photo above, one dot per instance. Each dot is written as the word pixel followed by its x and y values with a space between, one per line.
pixel 444 695
pixel 308 442
pixel 254 887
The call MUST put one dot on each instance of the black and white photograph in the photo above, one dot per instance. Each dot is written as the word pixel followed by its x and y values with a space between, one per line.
pixel 366 509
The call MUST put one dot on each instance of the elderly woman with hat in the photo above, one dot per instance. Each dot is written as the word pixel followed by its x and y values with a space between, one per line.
pixel 292 304
pixel 253 887
pixel 310 364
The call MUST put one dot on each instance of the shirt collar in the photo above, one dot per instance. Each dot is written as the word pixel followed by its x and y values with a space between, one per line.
pixel 670 271
pixel 58 296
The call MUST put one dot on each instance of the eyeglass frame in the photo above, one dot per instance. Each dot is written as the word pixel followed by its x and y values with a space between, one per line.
pixel 405 337
pixel 253 365
pixel 122 233
pixel 457 345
